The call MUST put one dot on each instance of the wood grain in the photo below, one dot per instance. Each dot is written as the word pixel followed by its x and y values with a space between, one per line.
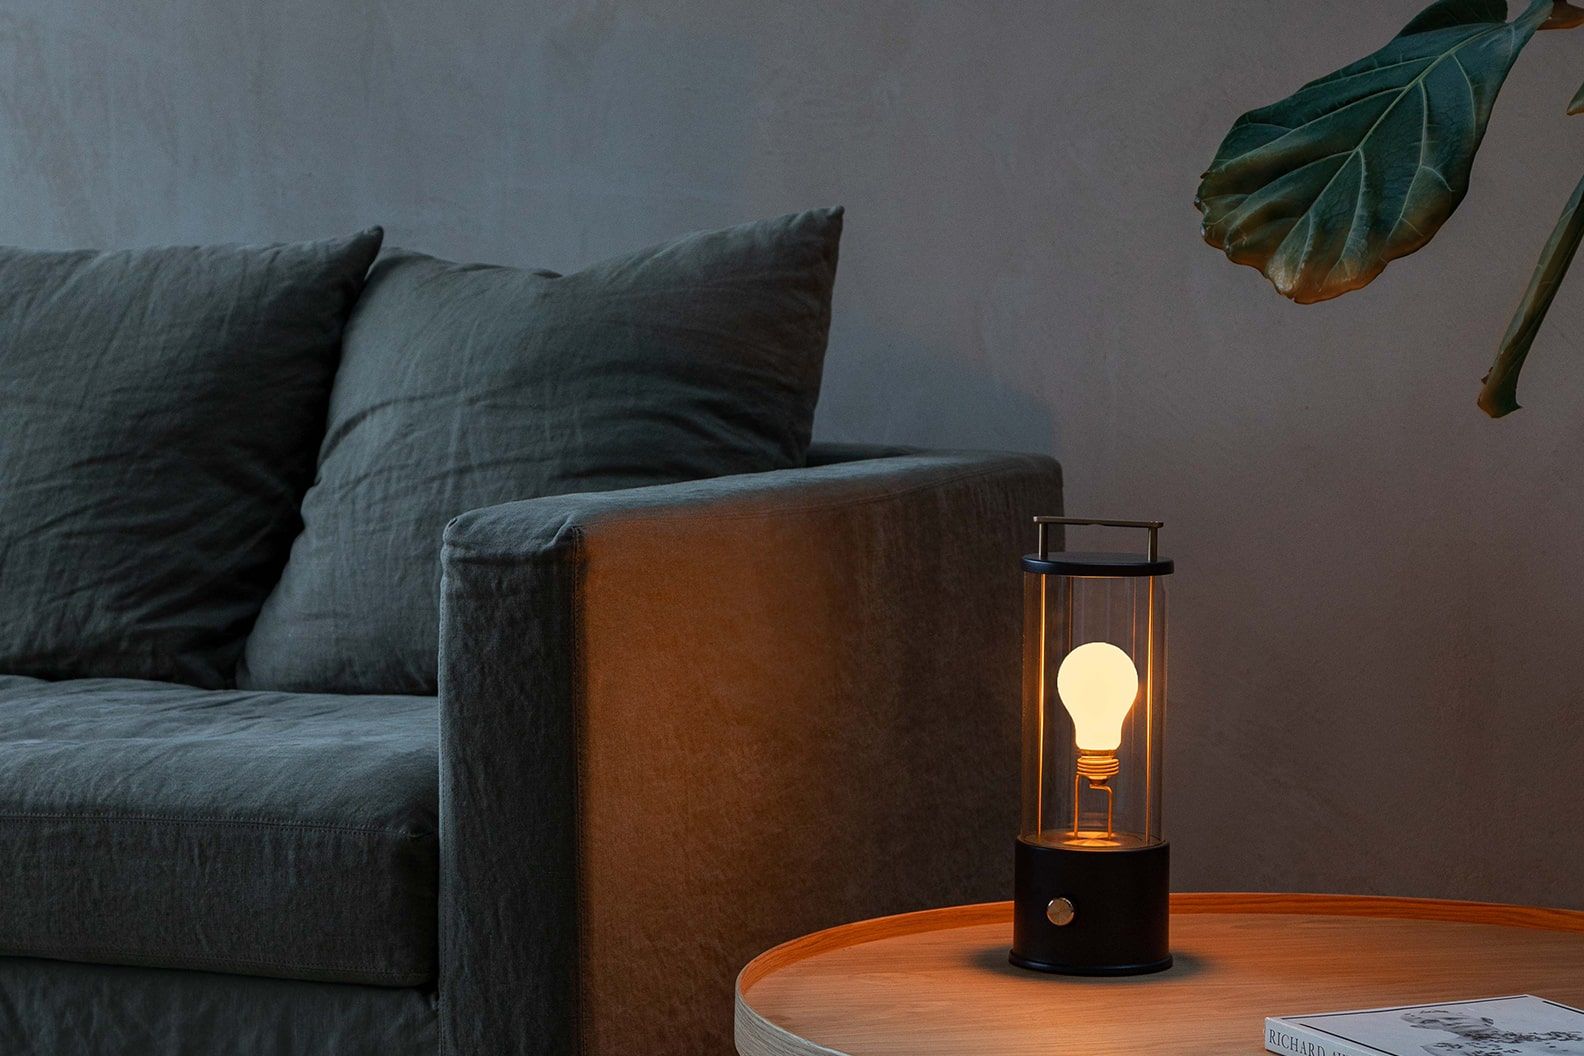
pixel 937 982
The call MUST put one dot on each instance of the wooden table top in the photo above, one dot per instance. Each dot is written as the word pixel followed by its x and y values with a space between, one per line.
pixel 938 982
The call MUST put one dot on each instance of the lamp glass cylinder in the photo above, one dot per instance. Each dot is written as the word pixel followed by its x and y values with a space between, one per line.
pixel 1092 860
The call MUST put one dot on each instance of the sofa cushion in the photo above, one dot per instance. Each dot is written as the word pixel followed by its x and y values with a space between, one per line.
pixel 58 1008
pixel 162 409
pixel 463 386
pixel 257 833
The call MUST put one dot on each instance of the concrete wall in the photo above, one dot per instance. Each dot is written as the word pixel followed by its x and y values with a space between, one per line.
pixel 1380 606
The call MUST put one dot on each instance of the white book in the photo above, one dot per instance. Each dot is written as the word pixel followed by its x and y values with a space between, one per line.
pixel 1495 1026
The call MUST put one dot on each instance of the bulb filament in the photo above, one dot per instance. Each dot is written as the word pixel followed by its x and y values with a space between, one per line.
pixel 1098 768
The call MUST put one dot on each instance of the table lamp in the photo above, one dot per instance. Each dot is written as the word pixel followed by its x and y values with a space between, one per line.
pixel 1091 866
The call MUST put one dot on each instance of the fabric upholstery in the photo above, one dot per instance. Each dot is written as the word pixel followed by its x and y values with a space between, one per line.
pixel 464 386
pixel 720 714
pixel 55 1008
pixel 161 411
pixel 258 833
pixel 827 454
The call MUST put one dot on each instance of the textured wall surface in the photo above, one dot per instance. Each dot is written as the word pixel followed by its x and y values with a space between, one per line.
pixel 1379 605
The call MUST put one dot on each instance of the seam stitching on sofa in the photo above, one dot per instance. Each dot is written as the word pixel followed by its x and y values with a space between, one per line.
pixel 685 512
pixel 833 506
pixel 672 513
pixel 155 819
pixel 25 949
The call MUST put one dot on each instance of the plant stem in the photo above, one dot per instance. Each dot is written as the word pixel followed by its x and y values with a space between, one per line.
pixel 1500 394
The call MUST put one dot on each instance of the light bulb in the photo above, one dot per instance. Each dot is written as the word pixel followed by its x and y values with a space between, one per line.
pixel 1097 683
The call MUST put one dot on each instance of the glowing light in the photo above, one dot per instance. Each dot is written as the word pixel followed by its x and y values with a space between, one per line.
pixel 1097 683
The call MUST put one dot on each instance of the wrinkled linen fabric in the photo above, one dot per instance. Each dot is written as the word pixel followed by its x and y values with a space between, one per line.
pixel 464 385
pixel 275 834
pixel 696 720
pixel 664 710
pixel 161 410
pixel 53 1008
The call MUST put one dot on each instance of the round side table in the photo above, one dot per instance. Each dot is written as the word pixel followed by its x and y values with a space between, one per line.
pixel 938 982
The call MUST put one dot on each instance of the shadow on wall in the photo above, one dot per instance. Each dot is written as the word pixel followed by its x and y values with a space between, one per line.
pixel 888 388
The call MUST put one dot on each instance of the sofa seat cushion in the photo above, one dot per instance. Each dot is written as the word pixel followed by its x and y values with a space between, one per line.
pixel 274 834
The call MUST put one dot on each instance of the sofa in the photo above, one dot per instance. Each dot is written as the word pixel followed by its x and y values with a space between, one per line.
pixel 609 742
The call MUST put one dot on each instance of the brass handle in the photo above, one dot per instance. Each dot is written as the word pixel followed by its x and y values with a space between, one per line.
pixel 1042 525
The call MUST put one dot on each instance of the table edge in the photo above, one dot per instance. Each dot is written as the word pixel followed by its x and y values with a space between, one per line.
pixel 1390 906
pixel 765 1036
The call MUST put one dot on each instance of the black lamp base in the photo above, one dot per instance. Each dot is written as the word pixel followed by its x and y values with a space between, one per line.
pixel 1115 904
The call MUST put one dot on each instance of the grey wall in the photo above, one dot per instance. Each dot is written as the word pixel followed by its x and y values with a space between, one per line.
pixel 1380 605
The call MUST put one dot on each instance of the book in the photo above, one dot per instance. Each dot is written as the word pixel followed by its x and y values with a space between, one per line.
pixel 1495 1026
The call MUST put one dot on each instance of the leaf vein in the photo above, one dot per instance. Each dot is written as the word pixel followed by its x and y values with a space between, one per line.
pixel 1417 80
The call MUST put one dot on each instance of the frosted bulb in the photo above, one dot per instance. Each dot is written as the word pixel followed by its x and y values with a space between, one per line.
pixel 1097 683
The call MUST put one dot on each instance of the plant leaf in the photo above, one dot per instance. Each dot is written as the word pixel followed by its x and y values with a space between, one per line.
pixel 1500 394
pixel 1321 190
pixel 1564 16
pixel 1447 13
pixel 1577 104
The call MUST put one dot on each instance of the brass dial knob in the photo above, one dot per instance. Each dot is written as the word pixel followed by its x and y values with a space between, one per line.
pixel 1060 912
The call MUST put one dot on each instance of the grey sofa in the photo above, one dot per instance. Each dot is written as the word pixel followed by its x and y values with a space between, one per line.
pixel 577 844
pixel 283 772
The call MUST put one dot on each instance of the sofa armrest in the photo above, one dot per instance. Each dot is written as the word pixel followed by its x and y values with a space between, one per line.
pixel 681 724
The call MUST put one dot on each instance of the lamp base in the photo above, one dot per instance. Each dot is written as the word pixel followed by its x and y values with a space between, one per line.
pixel 1113 905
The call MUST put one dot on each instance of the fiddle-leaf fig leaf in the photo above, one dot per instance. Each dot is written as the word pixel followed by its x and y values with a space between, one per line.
pixel 1321 190
pixel 1445 14
pixel 1576 106
pixel 1564 15
pixel 1500 394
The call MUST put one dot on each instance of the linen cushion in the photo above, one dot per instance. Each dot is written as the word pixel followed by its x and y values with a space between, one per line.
pixel 275 834
pixel 60 1008
pixel 464 385
pixel 161 410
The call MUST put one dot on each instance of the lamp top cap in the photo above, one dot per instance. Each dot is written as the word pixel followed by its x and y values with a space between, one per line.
pixel 1069 563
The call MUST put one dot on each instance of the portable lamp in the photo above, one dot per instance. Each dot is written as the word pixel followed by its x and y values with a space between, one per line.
pixel 1091 866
